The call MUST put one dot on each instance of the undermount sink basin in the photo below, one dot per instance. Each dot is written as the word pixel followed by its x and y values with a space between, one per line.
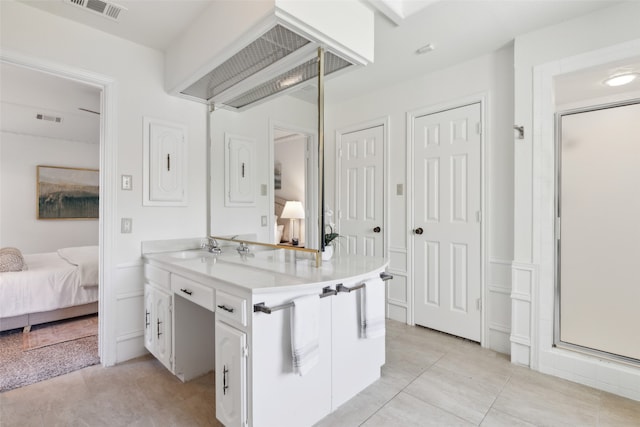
pixel 190 254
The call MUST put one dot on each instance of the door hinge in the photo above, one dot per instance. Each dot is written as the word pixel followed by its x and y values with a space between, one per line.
pixel 557 228
pixel 245 351
pixel 479 128
pixel 340 152
pixel 479 216
pixel 479 304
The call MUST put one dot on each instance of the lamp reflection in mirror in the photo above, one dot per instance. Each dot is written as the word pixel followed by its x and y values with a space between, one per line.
pixel 294 211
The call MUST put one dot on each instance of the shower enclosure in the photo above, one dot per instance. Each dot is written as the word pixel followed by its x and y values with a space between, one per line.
pixel 598 230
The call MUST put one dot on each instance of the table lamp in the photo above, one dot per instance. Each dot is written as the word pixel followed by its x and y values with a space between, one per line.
pixel 294 211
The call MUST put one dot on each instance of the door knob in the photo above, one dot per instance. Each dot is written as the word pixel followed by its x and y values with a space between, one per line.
pixel 418 230
pixel 376 229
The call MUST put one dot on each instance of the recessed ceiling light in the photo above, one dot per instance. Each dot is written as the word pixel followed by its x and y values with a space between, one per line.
pixel 424 49
pixel 621 79
pixel 290 81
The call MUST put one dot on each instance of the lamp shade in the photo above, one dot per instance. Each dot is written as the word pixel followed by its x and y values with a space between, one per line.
pixel 293 210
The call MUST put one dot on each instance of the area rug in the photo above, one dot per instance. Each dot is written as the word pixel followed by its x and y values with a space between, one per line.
pixel 19 368
pixel 57 332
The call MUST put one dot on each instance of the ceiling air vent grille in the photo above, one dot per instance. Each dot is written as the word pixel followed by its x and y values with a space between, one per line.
pixel 103 8
pixel 272 46
pixel 293 77
pixel 49 118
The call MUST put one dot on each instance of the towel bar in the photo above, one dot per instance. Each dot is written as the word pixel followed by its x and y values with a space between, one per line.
pixel 341 288
pixel 386 276
pixel 326 292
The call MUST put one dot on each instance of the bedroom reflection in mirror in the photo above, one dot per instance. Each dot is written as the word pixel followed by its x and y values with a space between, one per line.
pixel 290 184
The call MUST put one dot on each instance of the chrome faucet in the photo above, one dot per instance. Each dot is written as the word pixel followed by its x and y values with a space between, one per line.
pixel 243 249
pixel 212 246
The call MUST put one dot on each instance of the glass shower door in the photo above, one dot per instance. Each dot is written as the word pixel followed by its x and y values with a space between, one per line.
pixel 598 208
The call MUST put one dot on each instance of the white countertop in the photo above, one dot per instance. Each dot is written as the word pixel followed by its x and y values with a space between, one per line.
pixel 267 270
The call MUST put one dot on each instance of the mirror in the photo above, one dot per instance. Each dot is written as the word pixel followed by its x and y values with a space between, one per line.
pixel 257 150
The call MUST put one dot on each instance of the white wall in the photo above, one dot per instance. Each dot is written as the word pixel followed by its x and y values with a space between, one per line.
pixel 19 227
pixel 254 123
pixel 491 76
pixel 139 91
pixel 591 40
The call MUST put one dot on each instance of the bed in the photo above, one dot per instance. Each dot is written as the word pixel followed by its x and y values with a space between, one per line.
pixel 55 285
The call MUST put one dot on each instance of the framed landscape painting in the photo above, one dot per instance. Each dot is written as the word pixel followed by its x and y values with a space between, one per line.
pixel 68 193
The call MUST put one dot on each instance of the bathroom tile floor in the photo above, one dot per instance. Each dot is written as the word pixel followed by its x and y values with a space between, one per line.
pixel 429 379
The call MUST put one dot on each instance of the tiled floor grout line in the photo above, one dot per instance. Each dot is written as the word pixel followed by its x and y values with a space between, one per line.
pixel 402 389
pixel 496 398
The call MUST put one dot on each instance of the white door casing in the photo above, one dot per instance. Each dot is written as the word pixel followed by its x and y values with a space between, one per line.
pixel 362 192
pixel 447 214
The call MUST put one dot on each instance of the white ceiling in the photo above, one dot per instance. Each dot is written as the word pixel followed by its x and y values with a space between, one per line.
pixel 460 30
pixel 24 93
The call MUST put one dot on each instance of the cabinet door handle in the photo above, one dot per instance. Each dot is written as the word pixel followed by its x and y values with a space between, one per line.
pixel 243 170
pixel 158 326
pixel 146 319
pixel 168 162
pixel 186 291
pixel 418 230
pixel 377 229
pixel 225 308
pixel 225 386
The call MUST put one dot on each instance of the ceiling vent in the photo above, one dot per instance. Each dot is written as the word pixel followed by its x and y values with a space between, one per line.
pixel 48 118
pixel 103 8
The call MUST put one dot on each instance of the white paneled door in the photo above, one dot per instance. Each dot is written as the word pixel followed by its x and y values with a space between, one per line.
pixel 362 191
pixel 447 215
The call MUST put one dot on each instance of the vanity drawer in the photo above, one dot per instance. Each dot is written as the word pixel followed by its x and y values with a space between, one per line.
pixel 157 276
pixel 193 291
pixel 231 308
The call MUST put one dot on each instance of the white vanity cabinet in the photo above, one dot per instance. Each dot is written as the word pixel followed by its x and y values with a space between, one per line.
pixel 158 316
pixel 235 317
pixel 232 358
pixel 231 375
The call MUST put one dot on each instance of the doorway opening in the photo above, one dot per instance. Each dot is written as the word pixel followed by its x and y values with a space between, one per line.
pixel 107 171
pixel 294 186
pixel 51 153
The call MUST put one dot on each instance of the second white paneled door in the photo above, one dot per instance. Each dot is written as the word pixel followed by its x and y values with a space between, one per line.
pixel 447 215
pixel 361 208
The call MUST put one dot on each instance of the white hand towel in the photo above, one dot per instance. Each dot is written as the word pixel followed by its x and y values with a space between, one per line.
pixel 372 301
pixel 305 333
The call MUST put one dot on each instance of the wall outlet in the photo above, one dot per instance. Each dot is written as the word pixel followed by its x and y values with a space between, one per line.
pixel 126 225
pixel 263 220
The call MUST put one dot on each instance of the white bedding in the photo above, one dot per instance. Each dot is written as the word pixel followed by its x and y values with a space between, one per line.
pixel 86 258
pixel 49 283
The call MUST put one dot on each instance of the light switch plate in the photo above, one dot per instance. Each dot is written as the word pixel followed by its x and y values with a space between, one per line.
pixel 126 225
pixel 127 182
